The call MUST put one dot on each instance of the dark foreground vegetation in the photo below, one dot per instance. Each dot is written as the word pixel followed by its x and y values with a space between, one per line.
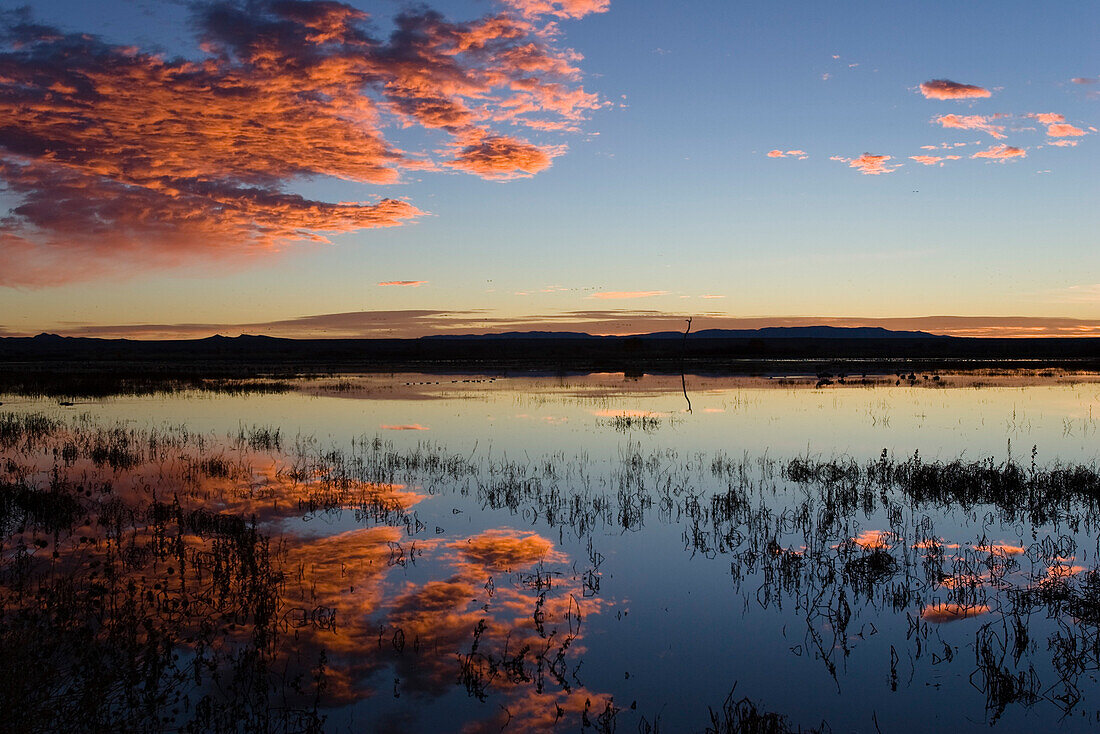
pixel 148 581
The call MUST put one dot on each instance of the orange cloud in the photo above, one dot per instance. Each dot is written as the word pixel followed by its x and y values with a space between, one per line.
pixel 1001 153
pixel 946 89
pixel 407 283
pixel 800 154
pixel 123 160
pixel 560 8
pixel 972 122
pixel 502 158
pixel 868 164
pixel 617 295
pixel 1063 143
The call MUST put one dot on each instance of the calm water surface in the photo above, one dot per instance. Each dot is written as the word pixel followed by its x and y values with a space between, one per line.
pixel 607 553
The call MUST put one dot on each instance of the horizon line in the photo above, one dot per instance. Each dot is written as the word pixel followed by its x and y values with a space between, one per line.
pixel 418 323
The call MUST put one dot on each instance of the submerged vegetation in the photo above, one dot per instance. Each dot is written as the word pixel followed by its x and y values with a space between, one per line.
pixel 158 579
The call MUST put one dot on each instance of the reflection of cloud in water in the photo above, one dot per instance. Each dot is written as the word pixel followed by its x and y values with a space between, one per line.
pixel 507 550
pixel 1004 549
pixel 404 427
pixel 873 540
pixel 934 545
pixel 501 611
pixel 1064 568
pixel 942 613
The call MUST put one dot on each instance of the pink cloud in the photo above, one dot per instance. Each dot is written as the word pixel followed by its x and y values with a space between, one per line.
pixel 971 122
pixel 931 160
pixel 408 283
pixel 1084 80
pixel 1001 153
pixel 404 427
pixel 1064 143
pixel 868 164
pixel 1057 127
pixel 946 89
pixel 619 295
pixel 1064 130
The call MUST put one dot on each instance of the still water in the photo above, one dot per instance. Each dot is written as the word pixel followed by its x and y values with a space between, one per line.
pixel 474 553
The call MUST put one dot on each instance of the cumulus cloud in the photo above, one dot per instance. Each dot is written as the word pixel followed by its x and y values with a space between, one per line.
pixel 972 122
pixel 1001 153
pixel 503 158
pixel 122 159
pixel 869 164
pixel 947 89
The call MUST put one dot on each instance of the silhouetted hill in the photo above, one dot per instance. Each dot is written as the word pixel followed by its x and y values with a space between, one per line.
pixel 770 332
pixel 772 350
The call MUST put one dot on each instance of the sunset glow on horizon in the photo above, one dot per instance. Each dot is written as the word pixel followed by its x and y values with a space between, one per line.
pixel 325 169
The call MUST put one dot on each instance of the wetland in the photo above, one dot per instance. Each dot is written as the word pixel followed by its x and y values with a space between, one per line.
pixel 587 552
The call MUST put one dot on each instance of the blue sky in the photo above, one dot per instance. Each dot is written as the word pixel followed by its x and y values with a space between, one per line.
pixel 667 188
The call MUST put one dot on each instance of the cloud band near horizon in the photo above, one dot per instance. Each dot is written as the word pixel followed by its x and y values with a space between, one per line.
pixel 412 323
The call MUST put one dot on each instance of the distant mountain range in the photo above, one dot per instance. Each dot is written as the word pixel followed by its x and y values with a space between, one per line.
pixel 708 350
pixel 769 332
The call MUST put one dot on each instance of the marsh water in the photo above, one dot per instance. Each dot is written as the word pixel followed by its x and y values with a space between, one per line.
pixel 416 552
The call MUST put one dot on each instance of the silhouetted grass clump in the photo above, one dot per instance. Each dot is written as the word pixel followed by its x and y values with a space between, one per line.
pixel 81 381
pixel 743 717
pixel 1038 493
pixel 627 423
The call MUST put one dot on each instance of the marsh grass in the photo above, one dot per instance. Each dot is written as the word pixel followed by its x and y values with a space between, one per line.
pixel 76 382
pixel 142 587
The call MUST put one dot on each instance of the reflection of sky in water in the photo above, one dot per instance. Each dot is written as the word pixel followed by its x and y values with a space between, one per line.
pixel 674 621
pixel 573 413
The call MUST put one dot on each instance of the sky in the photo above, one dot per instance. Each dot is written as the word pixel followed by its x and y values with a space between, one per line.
pixel 178 169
